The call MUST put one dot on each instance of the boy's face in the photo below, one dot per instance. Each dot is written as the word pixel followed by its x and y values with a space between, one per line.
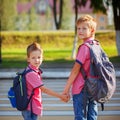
pixel 35 58
pixel 84 31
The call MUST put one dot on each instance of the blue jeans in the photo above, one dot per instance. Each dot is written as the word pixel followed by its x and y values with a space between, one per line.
pixel 28 115
pixel 78 104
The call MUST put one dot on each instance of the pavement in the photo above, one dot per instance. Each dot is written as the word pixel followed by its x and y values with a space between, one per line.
pixel 53 108
pixel 47 73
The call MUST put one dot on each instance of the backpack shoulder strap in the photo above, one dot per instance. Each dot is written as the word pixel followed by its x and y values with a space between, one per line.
pixel 90 45
pixel 31 70
pixel 27 70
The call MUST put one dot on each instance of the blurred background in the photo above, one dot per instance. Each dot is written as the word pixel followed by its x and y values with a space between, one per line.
pixel 53 14
pixel 52 24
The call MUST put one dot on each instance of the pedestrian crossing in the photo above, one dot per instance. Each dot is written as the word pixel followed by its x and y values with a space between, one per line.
pixel 53 108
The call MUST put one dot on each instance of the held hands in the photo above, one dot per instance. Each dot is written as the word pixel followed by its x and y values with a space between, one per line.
pixel 65 97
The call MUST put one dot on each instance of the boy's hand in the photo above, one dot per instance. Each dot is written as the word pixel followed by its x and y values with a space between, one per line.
pixel 65 97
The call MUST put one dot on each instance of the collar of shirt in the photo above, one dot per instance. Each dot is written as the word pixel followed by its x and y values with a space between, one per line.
pixel 92 41
pixel 38 70
pixel 89 40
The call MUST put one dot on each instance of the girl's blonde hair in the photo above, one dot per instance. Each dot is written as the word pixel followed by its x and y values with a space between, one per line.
pixel 91 22
pixel 33 47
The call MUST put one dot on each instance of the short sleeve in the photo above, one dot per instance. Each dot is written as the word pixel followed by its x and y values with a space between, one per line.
pixel 34 79
pixel 83 54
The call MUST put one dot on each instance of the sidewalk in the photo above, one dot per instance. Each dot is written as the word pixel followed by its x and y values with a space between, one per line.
pixel 47 73
pixel 50 73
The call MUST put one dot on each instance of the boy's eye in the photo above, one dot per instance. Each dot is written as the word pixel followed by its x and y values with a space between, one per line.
pixel 84 28
pixel 33 57
pixel 78 28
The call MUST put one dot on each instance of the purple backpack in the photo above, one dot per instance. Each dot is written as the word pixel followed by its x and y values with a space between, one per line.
pixel 101 84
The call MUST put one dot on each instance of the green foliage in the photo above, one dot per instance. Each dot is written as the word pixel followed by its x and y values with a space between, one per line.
pixel 66 23
pixel 98 6
pixel 11 20
pixel 57 39
pixel 57 46
pixel 22 22
pixel 8 13
pixel 32 25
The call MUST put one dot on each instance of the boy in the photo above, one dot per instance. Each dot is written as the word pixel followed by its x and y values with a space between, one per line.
pixel 86 27
pixel 33 79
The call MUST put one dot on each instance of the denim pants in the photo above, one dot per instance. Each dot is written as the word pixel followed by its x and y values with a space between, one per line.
pixel 28 115
pixel 78 104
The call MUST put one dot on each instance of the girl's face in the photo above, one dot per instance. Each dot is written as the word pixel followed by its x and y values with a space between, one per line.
pixel 35 58
pixel 84 31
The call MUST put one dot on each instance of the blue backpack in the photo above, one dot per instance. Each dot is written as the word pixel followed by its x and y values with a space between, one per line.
pixel 18 93
pixel 100 85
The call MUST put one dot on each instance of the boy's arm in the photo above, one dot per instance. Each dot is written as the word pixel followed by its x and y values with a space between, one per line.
pixel 73 75
pixel 53 93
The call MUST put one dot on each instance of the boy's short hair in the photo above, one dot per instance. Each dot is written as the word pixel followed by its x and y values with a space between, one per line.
pixel 89 20
pixel 33 47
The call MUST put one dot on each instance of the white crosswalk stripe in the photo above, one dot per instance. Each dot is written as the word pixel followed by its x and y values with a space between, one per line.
pixel 53 108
